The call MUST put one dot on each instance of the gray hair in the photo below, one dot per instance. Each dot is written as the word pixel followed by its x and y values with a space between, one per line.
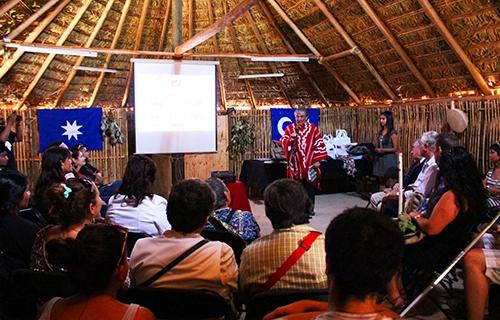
pixel 218 187
pixel 429 139
pixel 301 110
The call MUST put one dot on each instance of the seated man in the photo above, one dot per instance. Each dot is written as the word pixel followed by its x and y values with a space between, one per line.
pixel 363 252
pixel 288 207
pixel 211 267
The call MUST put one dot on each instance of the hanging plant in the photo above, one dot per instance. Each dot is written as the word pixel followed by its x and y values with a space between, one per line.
pixel 242 136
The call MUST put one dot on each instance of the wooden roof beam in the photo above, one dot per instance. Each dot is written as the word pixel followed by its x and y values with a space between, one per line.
pixel 137 44
pixel 190 18
pixel 220 75
pixel 339 55
pixel 79 61
pixel 270 19
pixel 31 37
pixel 311 47
pixel 395 44
pixel 118 31
pixel 264 48
pixel 51 56
pixel 164 26
pixel 215 28
pixel 8 5
pixel 474 71
pixel 352 44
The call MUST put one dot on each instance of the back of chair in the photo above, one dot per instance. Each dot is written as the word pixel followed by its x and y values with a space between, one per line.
pixel 265 302
pixel 132 238
pixel 233 240
pixel 178 303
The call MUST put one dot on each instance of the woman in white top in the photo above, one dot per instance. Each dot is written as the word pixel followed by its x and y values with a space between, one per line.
pixel 134 206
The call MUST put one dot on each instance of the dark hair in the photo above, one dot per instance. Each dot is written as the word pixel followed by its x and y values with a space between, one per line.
pixel 91 259
pixel 389 123
pixel 189 204
pixel 51 172
pixel 446 141
pixel 363 251
pixel 75 154
pixel 77 147
pixel 287 203
pixel 138 179
pixel 461 175
pixel 13 184
pixel 495 147
pixel 70 201
pixel 219 188
pixel 55 144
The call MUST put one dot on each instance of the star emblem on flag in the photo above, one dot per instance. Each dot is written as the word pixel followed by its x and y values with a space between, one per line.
pixel 71 130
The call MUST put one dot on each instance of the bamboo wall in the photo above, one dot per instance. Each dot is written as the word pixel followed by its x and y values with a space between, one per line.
pixel 411 120
pixel 111 160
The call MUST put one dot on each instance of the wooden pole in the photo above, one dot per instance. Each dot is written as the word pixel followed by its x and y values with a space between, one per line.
pixel 79 61
pixel 177 22
pixel 436 20
pixel 31 37
pixel 51 56
pixel 395 44
pixel 190 18
pixel 164 25
pixel 8 5
pixel 215 28
pixel 344 85
pixel 220 75
pixel 273 23
pixel 352 44
pixel 338 55
pixel 118 31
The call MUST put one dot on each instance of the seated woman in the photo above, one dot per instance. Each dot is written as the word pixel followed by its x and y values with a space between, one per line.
pixel 239 222
pixel 97 265
pixel 134 206
pixel 492 180
pixel 78 161
pixel 74 204
pixel 454 210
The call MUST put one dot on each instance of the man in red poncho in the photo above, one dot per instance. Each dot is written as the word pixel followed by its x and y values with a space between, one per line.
pixel 303 146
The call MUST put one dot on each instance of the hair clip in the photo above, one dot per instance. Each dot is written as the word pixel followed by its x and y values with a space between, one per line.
pixel 67 190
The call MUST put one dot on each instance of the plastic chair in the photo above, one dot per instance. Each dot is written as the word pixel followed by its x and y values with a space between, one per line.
pixel 178 303
pixel 234 241
pixel 263 303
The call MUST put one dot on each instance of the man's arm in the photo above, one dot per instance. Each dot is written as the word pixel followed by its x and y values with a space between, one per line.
pixel 4 135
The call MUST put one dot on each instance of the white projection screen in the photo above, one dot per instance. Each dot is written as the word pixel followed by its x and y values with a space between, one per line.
pixel 175 106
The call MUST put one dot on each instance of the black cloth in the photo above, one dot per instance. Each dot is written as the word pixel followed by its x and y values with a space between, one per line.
pixel 89 171
pixel 412 173
pixel 11 165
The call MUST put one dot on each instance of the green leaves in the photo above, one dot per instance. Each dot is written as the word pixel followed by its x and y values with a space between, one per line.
pixel 242 136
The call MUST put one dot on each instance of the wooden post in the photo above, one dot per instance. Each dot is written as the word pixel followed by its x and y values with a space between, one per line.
pixel 8 5
pixel 436 20
pixel 220 75
pixel 338 55
pixel 395 44
pixel 190 18
pixel 352 44
pixel 215 28
pixel 177 21
pixel 164 25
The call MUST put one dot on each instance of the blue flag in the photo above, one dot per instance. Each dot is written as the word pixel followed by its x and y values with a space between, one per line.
pixel 70 126
pixel 281 118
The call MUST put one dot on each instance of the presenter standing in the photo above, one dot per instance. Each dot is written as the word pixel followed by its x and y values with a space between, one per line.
pixel 304 148
pixel 387 145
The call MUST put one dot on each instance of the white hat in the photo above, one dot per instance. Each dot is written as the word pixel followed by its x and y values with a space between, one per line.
pixel 457 119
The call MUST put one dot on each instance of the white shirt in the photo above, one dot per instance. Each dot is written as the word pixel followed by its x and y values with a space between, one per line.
pixel 426 178
pixel 149 217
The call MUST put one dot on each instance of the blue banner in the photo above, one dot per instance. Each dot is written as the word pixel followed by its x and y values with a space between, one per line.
pixel 70 126
pixel 282 117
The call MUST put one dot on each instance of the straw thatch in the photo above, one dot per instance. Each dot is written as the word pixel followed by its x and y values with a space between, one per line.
pixel 474 24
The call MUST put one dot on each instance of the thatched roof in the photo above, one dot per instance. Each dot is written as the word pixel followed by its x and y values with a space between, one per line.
pixel 433 67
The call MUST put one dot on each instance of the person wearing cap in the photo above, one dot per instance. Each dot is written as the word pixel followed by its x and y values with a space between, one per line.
pixel 8 137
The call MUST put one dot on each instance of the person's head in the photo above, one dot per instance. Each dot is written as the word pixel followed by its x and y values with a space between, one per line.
pixel 82 148
pixel 14 192
pixel 57 144
pixel 96 260
pixel 494 152
pixel 74 202
pixel 4 155
pixel 57 162
pixel 301 116
pixel 416 150
pixel 287 203
pixel 222 194
pixel 190 203
pixel 444 142
pixel 78 159
pixel 386 120
pixel 138 178
pixel 459 170
pixel 363 252
pixel 429 140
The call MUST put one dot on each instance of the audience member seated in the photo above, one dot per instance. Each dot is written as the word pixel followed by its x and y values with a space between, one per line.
pixel 134 206
pixel 87 169
pixel 481 267
pixel 410 177
pixel 492 180
pixel 212 267
pixel 240 222
pixel 4 157
pixel 288 207
pixel 454 210
pixel 97 265
pixel 363 253
pixel 75 203
pixel 56 163
pixel 78 161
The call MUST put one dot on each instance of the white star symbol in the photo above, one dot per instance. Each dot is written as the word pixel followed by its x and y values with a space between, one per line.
pixel 71 130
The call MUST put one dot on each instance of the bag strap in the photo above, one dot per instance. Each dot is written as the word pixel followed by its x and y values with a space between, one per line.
pixel 172 264
pixel 304 246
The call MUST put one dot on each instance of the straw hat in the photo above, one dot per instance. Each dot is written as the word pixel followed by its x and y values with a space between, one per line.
pixel 456 119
